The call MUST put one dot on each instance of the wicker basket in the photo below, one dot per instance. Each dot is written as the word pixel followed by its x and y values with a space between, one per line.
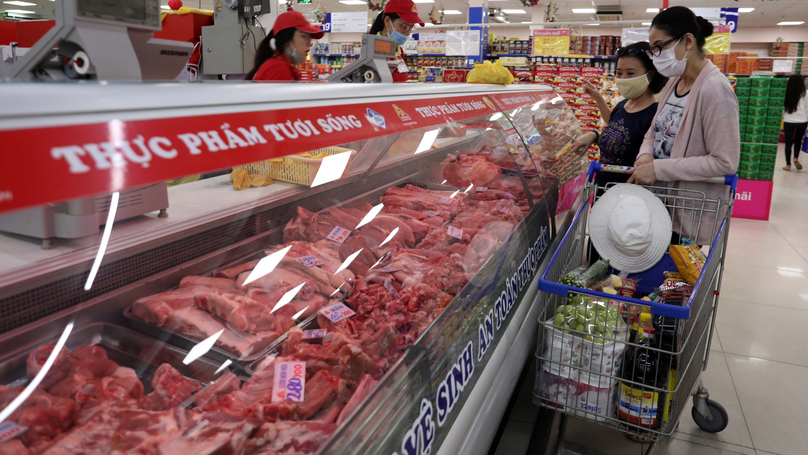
pixel 296 169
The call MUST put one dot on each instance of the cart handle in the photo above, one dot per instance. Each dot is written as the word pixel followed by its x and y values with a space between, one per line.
pixel 730 180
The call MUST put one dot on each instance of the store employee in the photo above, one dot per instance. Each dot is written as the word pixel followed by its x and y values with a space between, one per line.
pixel 286 45
pixel 397 21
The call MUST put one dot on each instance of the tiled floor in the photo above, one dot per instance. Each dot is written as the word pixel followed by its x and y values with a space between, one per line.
pixel 759 365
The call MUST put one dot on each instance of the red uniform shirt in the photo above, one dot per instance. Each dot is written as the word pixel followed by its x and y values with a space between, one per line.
pixel 277 68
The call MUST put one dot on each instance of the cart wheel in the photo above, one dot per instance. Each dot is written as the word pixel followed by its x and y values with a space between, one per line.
pixel 720 417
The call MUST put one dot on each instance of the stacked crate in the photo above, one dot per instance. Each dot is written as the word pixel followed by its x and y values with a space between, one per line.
pixel 761 114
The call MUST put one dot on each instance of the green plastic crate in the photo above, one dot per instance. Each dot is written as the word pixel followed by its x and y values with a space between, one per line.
pixel 756 111
pixel 748 166
pixel 743 82
pixel 759 91
pixel 760 82
pixel 758 101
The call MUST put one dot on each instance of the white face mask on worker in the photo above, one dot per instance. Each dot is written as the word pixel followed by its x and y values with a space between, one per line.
pixel 668 65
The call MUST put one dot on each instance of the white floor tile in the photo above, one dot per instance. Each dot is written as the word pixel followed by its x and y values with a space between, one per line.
pixel 787 287
pixel 763 331
pixel 716 345
pixel 773 396
pixel 718 382
pixel 759 231
pixel 762 254
pixel 794 234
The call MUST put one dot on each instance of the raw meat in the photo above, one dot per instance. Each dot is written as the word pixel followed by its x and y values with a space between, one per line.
pixel 222 284
pixel 226 384
pixel 463 170
pixel 233 272
pixel 281 278
pixel 362 390
pixel 243 312
pixel 169 388
pixel 321 389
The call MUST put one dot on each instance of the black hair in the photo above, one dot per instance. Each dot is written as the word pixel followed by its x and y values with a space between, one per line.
pixel 265 50
pixel 378 23
pixel 676 21
pixel 795 90
pixel 657 82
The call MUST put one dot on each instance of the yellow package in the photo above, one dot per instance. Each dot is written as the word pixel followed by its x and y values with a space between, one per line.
pixel 490 73
pixel 689 260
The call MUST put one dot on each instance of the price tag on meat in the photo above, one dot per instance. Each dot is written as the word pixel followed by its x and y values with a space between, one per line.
pixel 310 260
pixel 444 200
pixel 337 312
pixel 314 333
pixel 10 430
pixel 338 234
pixel 455 232
pixel 290 381
pixel 482 189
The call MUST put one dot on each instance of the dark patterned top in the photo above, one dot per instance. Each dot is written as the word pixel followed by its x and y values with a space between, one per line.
pixel 621 139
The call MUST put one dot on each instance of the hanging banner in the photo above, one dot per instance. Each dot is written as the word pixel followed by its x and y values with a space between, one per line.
pixel 551 42
pixel 729 16
pixel 718 42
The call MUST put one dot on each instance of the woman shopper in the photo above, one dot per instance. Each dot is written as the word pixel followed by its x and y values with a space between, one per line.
pixel 795 118
pixel 397 21
pixel 619 141
pixel 286 45
pixel 696 132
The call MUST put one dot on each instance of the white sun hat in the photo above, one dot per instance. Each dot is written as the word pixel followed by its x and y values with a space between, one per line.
pixel 630 227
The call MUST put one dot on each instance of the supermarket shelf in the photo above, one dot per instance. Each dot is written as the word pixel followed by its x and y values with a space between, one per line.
pixel 335 55
pixel 594 57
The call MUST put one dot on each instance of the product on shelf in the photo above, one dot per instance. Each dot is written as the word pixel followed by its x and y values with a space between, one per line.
pixel 761 112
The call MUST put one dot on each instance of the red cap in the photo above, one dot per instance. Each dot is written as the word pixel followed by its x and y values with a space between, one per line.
pixel 294 19
pixel 405 9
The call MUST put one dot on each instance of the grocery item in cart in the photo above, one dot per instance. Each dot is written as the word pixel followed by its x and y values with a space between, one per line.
pixel 689 259
pixel 631 227
pixel 639 405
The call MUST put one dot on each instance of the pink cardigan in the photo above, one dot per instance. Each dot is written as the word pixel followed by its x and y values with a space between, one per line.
pixel 707 145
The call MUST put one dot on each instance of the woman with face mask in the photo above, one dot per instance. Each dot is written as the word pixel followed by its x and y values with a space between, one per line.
pixel 696 130
pixel 286 45
pixel 620 140
pixel 397 21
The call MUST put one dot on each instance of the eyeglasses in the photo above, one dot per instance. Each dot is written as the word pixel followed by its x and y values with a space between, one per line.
pixel 405 27
pixel 633 52
pixel 656 51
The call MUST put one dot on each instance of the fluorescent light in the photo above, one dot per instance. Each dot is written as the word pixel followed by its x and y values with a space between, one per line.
pixel 451 11
pixel 652 10
pixel 584 10
pixel 592 24
pixel 331 168
pixel 202 347
pixel 351 2
pixel 370 215
pixel 423 1
pixel 102 247
pixel 646 23
pixel 745 10
pixel 791 23
pixel 266 265
pixel 19 11
pixel 18 3
pixel 514 11
pixel 168 7
pixel 427 141
pixel 524 22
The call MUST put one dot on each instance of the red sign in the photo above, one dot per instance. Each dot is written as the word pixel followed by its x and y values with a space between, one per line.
pixel 508 101
pixel 84 160
pixel 753 200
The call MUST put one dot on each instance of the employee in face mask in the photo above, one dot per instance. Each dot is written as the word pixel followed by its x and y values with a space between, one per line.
pixel 620 140
pixel 397 21
pixel 286 46
pixel 695 134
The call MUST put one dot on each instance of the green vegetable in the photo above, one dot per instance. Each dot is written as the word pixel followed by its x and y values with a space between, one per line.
pixel 593 274
pixel 572 277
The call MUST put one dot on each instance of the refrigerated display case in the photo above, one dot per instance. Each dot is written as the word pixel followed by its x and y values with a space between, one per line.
pixel 346 272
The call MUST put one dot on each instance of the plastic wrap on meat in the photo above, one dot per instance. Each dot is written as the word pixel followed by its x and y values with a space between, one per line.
pixel 414 198
pixel 200 325
pixel 363 389
pixel 157 308
pixel 243 312
pixel 222 284
pixel 210 433
pixel 341 356
pixel 281 278
pixel 169 389
pixel 233 272
pixel 289 438
pixel 321 390
pixel 227 383
pixel 463 170
pixel 322 251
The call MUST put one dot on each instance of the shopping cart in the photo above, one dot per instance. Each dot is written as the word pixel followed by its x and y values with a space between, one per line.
pixel 588 371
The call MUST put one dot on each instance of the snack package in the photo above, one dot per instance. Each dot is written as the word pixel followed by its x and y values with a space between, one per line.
pixel 688 259
pixel 675 283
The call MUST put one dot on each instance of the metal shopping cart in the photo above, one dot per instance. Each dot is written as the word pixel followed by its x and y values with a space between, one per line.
pixel 589 371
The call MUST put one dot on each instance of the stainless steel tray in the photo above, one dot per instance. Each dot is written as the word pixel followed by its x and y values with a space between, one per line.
pixel 125 347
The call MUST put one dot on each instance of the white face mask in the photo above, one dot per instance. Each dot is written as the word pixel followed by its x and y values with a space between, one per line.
pixel 668 65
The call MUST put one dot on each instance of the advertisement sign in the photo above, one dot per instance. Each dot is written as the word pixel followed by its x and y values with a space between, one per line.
pixel 753 200
pixel 346 22
pixel 551 42
pixel 729 16
pixel 718 42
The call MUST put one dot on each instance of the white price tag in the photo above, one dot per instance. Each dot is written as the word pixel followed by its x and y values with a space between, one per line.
pixel 455 232
pixel 310 260
pixel 10 430
pixel 314 333
pixel 338 234
pixel 289 382
pixel 444 199
pixel 337 312
pixel 482 189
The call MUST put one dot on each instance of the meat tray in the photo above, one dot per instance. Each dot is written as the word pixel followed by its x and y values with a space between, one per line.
pixel 125 347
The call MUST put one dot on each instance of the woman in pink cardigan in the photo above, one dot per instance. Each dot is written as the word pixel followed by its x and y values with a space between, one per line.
pixel 695 134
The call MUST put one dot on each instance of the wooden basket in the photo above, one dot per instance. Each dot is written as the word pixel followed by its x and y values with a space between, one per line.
pixel 297 169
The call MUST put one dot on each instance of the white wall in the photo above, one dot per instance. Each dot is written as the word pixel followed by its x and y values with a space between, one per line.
pixel 770 34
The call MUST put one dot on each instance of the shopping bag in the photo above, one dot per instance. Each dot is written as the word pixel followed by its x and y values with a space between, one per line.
pixel 490 73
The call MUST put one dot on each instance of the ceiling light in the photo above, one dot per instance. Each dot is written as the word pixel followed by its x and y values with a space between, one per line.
pixel 423 1
pixel 514 11
pixel 652 10
pixel 16 3
pixel 745 10
pixel 168 7
pixel 592 24
pixel 19 11
pixel 584 10
pixel 524 22
pixel 646 23
pixel 791 23
pixel 450 11
pixel 351 2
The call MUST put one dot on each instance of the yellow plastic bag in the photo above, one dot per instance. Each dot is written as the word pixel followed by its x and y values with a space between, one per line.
pixel 490 73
